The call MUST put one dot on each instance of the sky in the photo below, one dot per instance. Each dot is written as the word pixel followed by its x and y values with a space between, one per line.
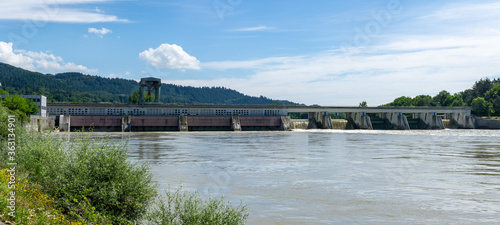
pixel 331 52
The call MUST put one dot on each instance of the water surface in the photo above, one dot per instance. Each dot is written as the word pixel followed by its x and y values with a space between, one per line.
pixel 335 176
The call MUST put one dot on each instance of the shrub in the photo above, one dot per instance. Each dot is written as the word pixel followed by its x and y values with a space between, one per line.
pixel 86 170
pixel 182 207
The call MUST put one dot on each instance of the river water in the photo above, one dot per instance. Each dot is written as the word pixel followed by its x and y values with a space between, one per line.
pixel 335 176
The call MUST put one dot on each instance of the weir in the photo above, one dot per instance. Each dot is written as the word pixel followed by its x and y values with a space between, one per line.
pixel 235 123
pixel 396 121
pixel 429 121
pixel 463 121
pixel 173 123
pixel 358 120
pixel 164 117
pixel 318 120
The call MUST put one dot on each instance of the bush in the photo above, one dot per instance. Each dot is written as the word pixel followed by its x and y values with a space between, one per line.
pixel 182 207
pixel 88 170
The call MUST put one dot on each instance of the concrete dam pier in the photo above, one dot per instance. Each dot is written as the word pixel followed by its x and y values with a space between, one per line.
pixel 162 117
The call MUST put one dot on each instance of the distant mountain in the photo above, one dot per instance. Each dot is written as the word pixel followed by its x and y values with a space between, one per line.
pixel 78 87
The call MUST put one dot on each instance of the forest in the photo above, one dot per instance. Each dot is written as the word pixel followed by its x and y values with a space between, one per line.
pixel 79 88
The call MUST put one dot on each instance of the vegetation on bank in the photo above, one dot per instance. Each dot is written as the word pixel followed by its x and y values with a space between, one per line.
pixel 22 107
pixel 80 88
pixel 483 98
pixel 88 181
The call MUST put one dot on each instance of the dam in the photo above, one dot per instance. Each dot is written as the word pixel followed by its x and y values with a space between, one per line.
pixel 155 116
pixel 170 117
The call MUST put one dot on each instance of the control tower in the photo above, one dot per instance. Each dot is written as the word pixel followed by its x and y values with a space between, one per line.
pixel 151 84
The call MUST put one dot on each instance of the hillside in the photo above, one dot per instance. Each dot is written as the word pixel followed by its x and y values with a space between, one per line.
pixel 78 87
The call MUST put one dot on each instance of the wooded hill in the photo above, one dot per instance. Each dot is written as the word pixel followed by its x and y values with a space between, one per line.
pixel 78 88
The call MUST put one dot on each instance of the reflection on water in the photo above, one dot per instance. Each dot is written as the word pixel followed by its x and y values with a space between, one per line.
pixel 335 176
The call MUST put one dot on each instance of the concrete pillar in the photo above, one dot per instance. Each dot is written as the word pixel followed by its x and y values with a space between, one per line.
pixel 235 123
pixel 319 120
pixel 286 123
pixel 358 120
pixel 64 123
pixel 141 95
pixel 126 123
pixel 397 120
pixel 463 121
pixel 431 120
pixel 183 123
pixel 157 94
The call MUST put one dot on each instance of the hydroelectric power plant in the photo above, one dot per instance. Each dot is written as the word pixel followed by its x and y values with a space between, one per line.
pixel 155 116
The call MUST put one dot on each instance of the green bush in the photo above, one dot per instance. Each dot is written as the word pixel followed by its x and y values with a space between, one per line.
pixel 182 207
pixel 88 170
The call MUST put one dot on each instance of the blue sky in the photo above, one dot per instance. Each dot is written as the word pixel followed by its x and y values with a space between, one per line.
pixel 316 52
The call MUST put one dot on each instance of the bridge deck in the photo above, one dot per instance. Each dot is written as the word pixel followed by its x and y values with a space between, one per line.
pixel 334 109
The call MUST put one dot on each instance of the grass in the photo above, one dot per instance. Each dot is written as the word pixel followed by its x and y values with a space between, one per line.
pixel 89 181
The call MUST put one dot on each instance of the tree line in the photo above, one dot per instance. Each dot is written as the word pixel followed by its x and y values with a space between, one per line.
pixel 483 98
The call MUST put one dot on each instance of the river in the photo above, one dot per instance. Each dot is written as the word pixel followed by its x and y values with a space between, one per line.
pixel 335 176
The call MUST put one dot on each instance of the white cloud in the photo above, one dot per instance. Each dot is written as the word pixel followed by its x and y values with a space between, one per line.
pixel 98 10
pixel 100 32
pixel 112 75
pixel 170 56
pixel 258 28
pixel 37 60
pixel 469 11
pixel 54 11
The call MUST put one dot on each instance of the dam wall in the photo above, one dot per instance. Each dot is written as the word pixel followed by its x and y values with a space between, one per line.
pixel 173 123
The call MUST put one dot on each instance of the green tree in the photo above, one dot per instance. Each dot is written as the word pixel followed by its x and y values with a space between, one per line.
pixel 481 107
pixel 363 104
pixel 3 92
pixel 16 102
pixel 401 101
pixel 135 98
pixel 454 100
pixel 467 96
pixel 493 96
pixel 24 107
pixel 481 87
pixel 441 98
pixel 422 100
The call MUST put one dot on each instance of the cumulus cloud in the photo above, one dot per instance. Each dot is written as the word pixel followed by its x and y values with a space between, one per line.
pixel 100 32
pixel 54 11
pixel 170 56
pixel 37 60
